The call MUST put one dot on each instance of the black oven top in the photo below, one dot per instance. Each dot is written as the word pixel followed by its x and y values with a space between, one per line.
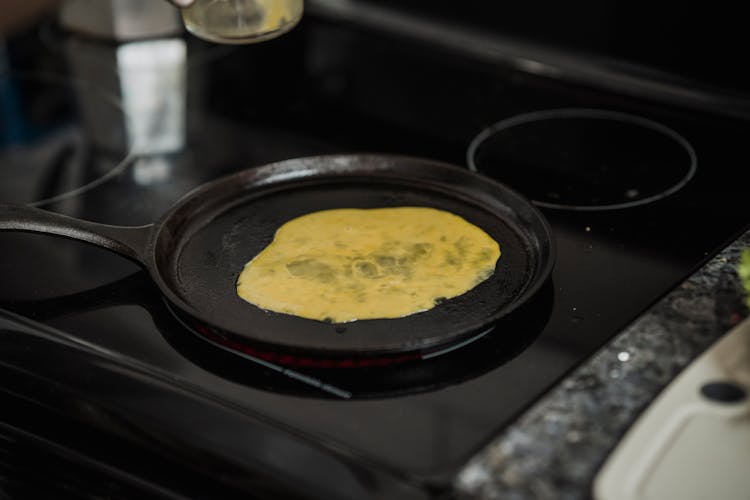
pixel 638 195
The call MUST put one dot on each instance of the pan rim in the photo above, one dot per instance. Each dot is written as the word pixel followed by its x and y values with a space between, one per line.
pixel 295 170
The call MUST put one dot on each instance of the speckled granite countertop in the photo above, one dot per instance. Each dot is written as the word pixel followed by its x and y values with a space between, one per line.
pixel 556 448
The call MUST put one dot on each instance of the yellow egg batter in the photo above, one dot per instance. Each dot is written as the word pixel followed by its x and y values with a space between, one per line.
pixel 350 264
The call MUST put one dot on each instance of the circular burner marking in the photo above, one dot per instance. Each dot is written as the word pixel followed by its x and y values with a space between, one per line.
pixel 50 152
pixel 584 159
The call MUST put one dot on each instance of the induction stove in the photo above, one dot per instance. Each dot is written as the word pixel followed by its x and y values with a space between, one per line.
pixel 639 193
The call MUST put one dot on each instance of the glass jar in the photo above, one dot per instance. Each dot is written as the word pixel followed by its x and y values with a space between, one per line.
pixel 241 21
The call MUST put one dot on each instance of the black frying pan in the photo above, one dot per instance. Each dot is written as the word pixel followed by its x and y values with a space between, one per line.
pixel 196 251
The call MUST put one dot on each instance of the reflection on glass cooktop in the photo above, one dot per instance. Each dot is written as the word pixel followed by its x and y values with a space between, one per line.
pixel 486 351
pixel 182 115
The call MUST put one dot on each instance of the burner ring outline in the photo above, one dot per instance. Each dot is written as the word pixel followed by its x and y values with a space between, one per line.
pixel 590 113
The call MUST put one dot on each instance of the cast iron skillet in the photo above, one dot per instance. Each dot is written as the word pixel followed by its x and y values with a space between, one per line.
pixel 196 251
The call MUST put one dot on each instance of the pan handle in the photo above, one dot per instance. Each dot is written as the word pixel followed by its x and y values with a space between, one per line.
pixel 129 242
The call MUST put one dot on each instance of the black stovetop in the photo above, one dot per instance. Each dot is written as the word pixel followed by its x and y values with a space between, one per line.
pixel 329 88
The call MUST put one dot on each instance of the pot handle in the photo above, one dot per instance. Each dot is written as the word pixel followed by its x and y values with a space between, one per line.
pixel 129 242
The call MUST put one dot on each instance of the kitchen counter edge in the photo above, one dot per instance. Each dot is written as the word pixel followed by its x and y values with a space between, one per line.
pixel 555 449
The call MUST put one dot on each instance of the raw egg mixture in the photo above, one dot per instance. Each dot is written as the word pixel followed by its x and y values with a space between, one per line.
pixel 353 264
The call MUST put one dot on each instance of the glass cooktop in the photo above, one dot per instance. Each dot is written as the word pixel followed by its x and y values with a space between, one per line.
pixel 638 195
